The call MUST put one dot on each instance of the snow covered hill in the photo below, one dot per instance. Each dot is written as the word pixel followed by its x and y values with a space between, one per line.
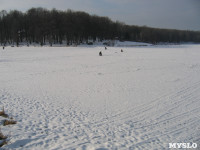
pixel 71 98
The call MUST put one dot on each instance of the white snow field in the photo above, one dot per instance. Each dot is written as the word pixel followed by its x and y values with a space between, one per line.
pixel 67 98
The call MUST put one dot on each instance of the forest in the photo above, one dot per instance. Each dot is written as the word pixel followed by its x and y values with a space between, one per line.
pixel 42 26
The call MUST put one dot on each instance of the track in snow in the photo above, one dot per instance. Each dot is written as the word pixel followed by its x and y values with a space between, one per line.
pixel 70 98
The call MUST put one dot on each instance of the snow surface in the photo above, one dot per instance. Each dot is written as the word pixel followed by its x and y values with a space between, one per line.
pixel 71 98
pixel 130 44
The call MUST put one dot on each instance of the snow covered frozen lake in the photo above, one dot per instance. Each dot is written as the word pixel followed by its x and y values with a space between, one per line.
pixel 71 98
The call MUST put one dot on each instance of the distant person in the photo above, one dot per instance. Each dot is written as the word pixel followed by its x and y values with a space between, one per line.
pixel 100 53
pixel 3 47
pixel 105 48
pixel 122 50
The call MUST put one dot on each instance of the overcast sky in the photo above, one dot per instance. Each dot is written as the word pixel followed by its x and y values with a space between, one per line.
pixel 177 14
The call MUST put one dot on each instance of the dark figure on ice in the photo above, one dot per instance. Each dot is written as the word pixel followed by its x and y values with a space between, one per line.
pixel 100 53
pixel 105 48
pixel 3 47
pixel 122 50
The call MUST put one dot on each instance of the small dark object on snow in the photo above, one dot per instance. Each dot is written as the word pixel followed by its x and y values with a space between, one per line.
pixel 3 142
pixel 105 48
pixel 122 50
pixel 90 43
pixel 100 53
pixel 9 122
pixel 3 47
pixel 3 114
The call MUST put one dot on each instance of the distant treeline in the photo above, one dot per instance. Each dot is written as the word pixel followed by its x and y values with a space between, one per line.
pixel 39 25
